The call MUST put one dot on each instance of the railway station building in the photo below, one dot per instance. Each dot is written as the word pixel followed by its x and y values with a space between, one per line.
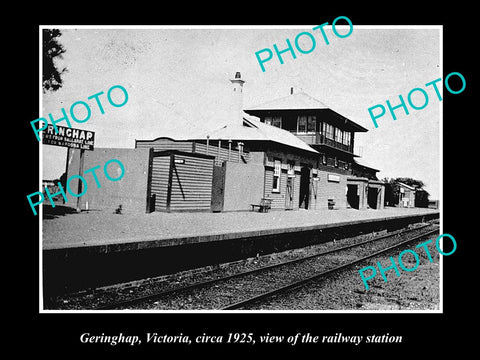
pixel 292 153
pixel 407 195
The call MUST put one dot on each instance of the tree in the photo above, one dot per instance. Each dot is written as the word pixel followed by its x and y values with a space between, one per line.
pixel 410 182
pixel 421 198
pixel 52 77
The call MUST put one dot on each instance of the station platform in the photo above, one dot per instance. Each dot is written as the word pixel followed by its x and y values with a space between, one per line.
pixel 116 232
pixel 93 249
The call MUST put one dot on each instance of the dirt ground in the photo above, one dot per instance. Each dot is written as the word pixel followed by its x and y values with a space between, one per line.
pixel 415 290
pixel 418 291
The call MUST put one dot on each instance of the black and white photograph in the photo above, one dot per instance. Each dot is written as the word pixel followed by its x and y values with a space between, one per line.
pixel 247 184
pixel 189 171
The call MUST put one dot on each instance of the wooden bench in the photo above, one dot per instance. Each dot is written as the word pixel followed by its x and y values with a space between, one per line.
pixel 331 205
pixel 264 206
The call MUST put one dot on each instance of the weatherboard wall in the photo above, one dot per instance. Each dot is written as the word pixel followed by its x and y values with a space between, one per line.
pixel 181 181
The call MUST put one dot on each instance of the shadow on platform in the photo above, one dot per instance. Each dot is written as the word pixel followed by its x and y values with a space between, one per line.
pixel 50 212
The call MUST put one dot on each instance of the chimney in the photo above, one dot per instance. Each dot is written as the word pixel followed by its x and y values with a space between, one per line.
pixel 237 103
pixel 295 90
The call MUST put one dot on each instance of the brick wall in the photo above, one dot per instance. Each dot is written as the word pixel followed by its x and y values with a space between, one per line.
pixel 328 189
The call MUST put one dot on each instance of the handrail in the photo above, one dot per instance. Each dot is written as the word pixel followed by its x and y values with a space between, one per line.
pixel 320 139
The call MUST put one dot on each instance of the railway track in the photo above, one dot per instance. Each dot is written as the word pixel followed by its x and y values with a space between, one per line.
pixel 272 279
pixel 297 284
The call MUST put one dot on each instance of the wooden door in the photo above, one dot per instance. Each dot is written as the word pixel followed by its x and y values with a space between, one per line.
pixel 305 180
pixel 290 193
pixel 218 188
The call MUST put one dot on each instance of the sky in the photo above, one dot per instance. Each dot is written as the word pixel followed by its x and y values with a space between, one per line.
pixel 177 80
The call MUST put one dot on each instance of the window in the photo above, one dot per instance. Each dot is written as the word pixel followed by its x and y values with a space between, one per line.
pixel 346 138
pixel 276 176
pixel 311 124
pixel 330 161
pixel 274 121
pixel 307 124
pixel 302 124
pixel 277 121
pixel 291 169
pixel 338 135
pixel 328 130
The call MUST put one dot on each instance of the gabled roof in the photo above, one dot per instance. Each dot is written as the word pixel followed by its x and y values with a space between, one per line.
pixel 303 101
pixel 295 101
pixel 406 186
pixel 254 130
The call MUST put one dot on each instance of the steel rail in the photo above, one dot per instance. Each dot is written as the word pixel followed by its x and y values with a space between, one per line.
pixel 303 282
pixel 160 294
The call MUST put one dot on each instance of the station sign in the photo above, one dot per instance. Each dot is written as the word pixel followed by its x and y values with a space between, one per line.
pixel 68 137
pixel 333 178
